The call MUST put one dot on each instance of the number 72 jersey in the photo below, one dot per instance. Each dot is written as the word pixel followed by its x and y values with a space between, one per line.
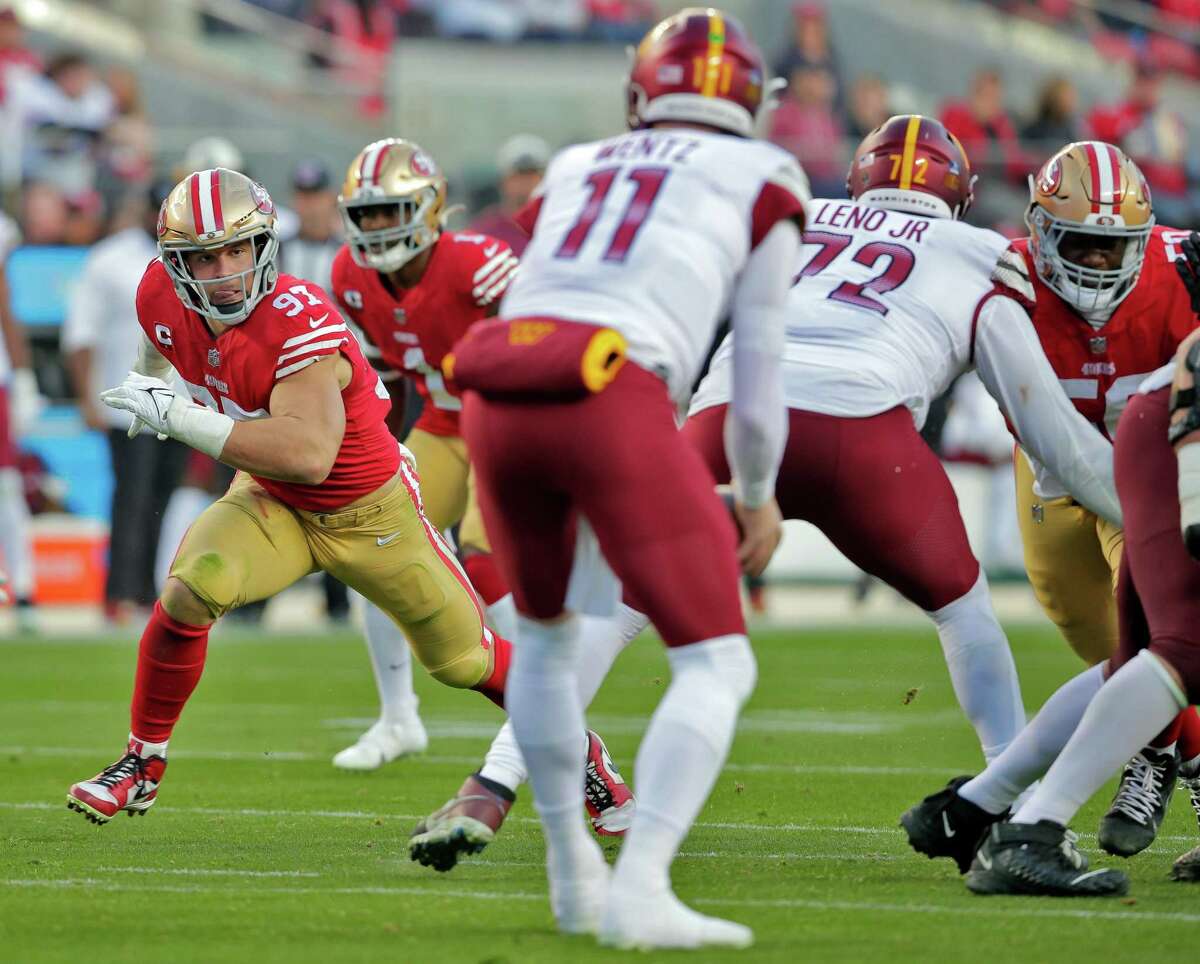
pixel 882 311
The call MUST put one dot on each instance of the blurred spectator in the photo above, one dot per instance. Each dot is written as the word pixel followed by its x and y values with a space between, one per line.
pixel 867 106
pixel 810 45
pixel 363 32
pixel 314 233
pixel 620 21
pixel 982 123
pixel 44 214
pixel 100 340
pixel 64 112
pixel 1057 120
pixel 85 218
pixel 127 147
pixel 210 152
pixel 522 162
pixel 805 124
pixel 14 55
pixel 554 19
pixel 498 20
pixel 1156 138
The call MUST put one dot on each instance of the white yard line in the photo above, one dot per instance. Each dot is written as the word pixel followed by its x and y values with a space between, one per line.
pixel 290 756
pixel 973 909
pixel 367 815
pixel 205 872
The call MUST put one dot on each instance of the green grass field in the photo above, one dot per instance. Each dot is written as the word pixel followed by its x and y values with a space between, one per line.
pixel 258 850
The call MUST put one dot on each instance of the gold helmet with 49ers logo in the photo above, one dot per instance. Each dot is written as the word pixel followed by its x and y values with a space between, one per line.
pixel 1094 189
pixel 212 209
pixel 392 204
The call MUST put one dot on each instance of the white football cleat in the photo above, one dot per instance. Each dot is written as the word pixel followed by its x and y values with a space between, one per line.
pixel 640 921
pixel 578 903
pixel 383 743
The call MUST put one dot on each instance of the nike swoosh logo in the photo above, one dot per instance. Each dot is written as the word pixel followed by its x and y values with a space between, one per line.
pixel 385 540
pixel 488 252
pixel 950 831
pixel 317 322
pixel 984 860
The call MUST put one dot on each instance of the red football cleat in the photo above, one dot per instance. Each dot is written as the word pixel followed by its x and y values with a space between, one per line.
pixel 609 801
pixel 130 784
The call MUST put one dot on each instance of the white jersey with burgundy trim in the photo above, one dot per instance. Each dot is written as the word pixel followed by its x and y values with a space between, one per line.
pixel 881 312
pixel 648 233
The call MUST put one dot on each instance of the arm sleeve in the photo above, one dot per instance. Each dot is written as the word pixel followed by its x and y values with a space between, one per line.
pixel 756 426
pixel 150 360
pixel 1013 367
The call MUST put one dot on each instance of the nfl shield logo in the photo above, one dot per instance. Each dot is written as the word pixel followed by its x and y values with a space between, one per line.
pixel 400 316
pixel 1099 345
pixel 214 357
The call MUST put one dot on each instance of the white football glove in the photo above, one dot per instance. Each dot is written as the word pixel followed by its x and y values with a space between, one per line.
pixel 155 404
pixel 27 402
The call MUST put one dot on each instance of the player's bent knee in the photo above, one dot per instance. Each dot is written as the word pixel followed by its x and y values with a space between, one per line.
pixel 465 672
pixel 211 582
pixel 182 604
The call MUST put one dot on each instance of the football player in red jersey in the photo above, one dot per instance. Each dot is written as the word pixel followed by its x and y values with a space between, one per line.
pixel 285 396
pixel 414 289
pixel 1098 281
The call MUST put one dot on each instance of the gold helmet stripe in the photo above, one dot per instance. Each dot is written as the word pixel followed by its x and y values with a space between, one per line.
pixel 206 202
pixel 716 51
pixel 910 150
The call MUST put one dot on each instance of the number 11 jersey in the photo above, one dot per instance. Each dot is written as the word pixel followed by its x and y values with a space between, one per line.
pixel 648 233
pixel 882 312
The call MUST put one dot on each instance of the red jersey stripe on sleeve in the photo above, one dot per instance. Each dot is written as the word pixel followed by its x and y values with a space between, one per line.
pixel 775 203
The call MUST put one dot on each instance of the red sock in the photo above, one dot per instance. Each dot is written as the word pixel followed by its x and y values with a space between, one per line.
pixel 485 576
pixel 1189 735
pixel 170 661
pixel 1170 734
pixel 493 686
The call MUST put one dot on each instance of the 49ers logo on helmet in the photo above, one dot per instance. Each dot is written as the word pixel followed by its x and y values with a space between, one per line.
pixel 161 229
pixel 422 165
pixel 1050 177
pixel 262 200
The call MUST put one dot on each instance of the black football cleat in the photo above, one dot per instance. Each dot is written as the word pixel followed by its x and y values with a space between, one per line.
pixel 1038 859
pixel 1140 804
pixel 1187 867
pixel 946 825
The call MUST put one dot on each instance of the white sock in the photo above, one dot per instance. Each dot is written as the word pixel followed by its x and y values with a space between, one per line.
pixel 981 668
pixel 391 659
pixel 1034 749
pixel 15 550
pixel 1138 700
pixel 547 718
pixel 148 750
pixel 599 644
pixel 683 751
pixel 501 616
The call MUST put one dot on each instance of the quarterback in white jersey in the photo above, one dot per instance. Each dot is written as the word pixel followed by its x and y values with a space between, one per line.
pixel 893 299
pixel 640 244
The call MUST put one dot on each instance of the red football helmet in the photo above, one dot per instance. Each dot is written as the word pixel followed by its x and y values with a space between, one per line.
pixel 699 67
pixel 912 163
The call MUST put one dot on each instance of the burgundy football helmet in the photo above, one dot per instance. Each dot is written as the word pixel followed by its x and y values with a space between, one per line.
pixel 912 163
pixel 698 66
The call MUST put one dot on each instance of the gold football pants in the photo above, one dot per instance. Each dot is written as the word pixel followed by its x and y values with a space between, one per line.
pixel 448 486
pixel 1072 557
pixel 249 546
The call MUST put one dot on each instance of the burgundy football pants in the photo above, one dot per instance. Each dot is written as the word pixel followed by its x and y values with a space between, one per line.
pixel 1158 590
pixel 616 458
pixel 875 489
